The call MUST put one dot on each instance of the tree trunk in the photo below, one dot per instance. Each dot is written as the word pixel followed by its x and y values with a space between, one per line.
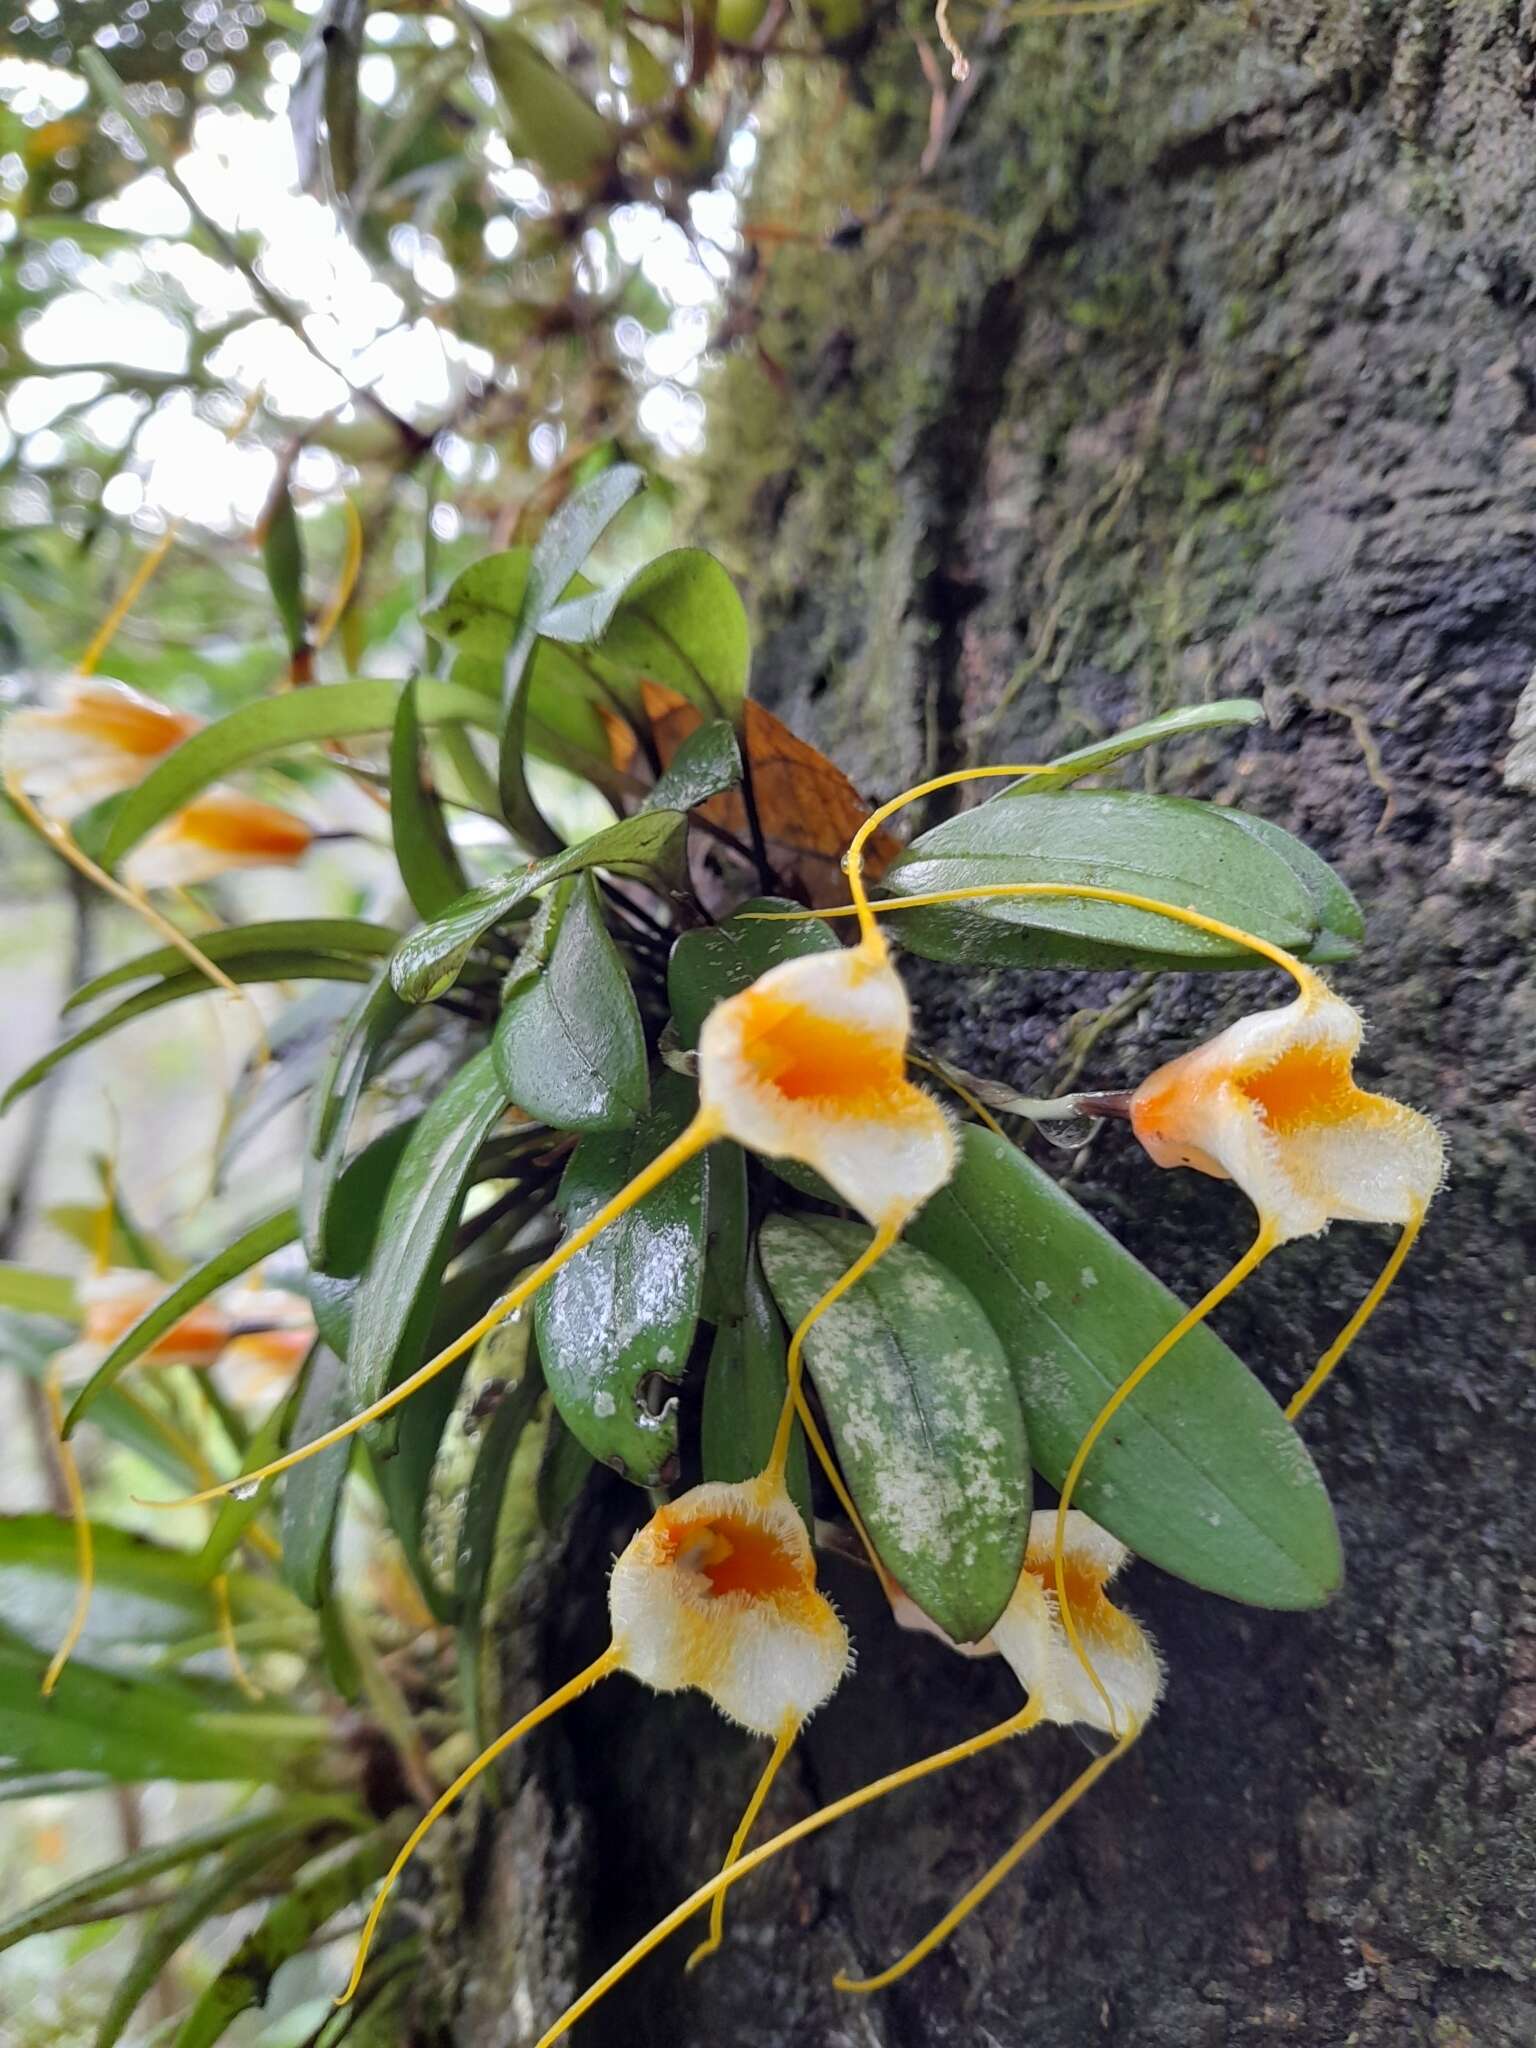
pixel 1200 362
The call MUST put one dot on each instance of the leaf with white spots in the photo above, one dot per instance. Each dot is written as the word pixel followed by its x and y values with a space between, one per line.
pixel 923 1411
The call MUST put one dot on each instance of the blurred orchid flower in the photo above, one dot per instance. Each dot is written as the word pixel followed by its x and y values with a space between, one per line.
pixel 215 833
pixel 89 739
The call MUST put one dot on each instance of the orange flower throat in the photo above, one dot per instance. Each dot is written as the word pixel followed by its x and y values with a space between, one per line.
pixel 808 1058
pixel 1307 1085
pixel 735 1556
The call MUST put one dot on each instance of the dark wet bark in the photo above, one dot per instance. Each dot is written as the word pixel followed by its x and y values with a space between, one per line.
pixel 1236 392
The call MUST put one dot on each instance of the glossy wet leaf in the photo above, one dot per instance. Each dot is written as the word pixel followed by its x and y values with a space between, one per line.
pixel 478 1526
pixel 678 622
pixel 720 960
pixel 706 765
pixel 1184 853
pixel 326 935
pixel 647 849
pixel 424 853
pixel 396 1296
pixel 255 967
pixel 569 1045
pixel 616 1325
pixel 247 1250
pixel 312 1491
pixel 1199 1472
pixel 1171 725
pixel 329 711
pixel 923 1411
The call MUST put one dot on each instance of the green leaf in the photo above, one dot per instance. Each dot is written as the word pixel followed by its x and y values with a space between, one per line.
pixel 924 1413
pixel 396 1295
pixel 648 849
pixel 679 621
pixel 1200 1472
pixel 324 935
pixel 1340 920
pixel 39 1294
pixel 62 1908
pixel 564 1470
pixel 340 1215
pixel 1172 725
pixel 569 1044
pixel 257 967
pixel 282 556
pixel 359 1049
pixel 312 1492
pixel 477 1550
pixel 145 1598
pixel 319 1892
pixel 249 1249
pixel 744 1393
pixel 549 121
pixel 721 960
pixel 1180 852
pixel 706 763
pixel 134 1729
pixel 424 853
pixel 563 546
pixel 329 711
pixel 616 1325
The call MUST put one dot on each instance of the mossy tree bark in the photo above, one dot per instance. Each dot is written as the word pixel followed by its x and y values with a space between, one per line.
pixel 1201 361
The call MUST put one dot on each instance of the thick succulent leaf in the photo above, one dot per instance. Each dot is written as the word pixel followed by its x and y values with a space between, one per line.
pixel 722 959
pixel 255 967
pixel 424 853
pixel 397 1294
pixel 616 1325
pixel 134 1729
pixel 1172 725
pixel 329 711
pixel 1200 1472
pixel 277 935
pixel 924 1413
pixel 679 622
pixel 146 1599
pixel 569 1045
pixel 1183 853
pixel 249 1249
pixel 648 849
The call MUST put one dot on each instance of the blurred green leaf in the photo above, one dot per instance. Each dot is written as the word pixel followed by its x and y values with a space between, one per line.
pixel 312 1491
pixel 549 120
pixel 424 853
pixel 1184 853
pixel 616 1325
pixel 34 1293
pixel 923 1412
pixel 478 1526
pixel 282 556
pixel 569 1045
pixel 1200 1473
pixel 249 1249
pixel 329 711
pixel 647 849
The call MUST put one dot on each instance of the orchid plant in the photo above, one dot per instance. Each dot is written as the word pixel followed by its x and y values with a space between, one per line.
pixel 671 1139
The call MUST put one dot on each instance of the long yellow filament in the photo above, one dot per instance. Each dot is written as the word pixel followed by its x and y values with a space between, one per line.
pixel 85 1548
pixel 886 1234
pixel 781 1749
pixel 1358 1320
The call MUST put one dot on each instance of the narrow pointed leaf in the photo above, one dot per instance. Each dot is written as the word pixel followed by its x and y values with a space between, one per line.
pixel 312 1491
pixel 424 853
pixel 30 1292
pixel 744 1394
pixel 329 711
pixel 616 1325
pixel 1172 725
pixel 678 621
pixel 1200 1472
pixel 278 935
pixel 924 1414
pixel 478 1527
pixel 569 1044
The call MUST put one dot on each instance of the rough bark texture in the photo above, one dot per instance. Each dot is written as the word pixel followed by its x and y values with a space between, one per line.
pixel 1202 362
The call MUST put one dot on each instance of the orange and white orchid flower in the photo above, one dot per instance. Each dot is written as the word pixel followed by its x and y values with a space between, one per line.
pixel 716 1593
pixel 217 832
pixel 1031 1638
pixel 89 739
